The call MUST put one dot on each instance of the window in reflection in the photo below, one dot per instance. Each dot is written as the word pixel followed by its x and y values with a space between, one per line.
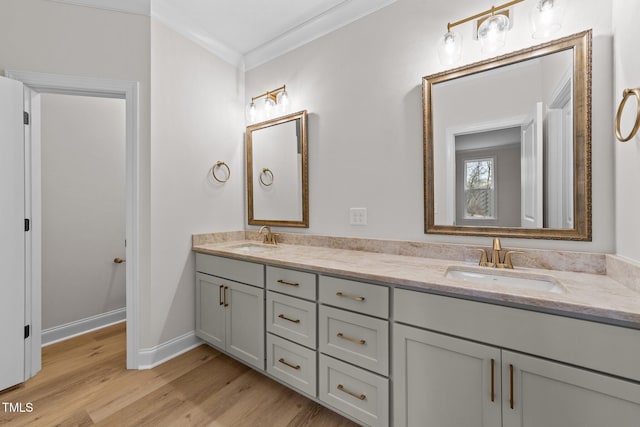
pixel 479 189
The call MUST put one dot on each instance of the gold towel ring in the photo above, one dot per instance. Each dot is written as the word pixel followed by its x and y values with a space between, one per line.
pixel 626 95
pixel 219 165
pixel 266 172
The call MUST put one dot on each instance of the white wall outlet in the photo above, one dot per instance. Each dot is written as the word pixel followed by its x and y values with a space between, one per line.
pixel 358 216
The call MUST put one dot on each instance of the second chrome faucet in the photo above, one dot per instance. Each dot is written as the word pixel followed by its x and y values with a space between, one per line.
pixel 495 260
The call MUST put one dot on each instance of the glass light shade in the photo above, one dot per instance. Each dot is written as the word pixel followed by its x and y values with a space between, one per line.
pixel 546 18
pixel 251 112
pixel 282 98
pixel 450 48
pixel 268 105
pixel 282 102
pixel 492 33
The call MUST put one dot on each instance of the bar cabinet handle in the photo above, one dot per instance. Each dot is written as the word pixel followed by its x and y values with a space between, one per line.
pixel 340 294
pixel 282 316
pixel 284 362
pixel 350 393
pixel 511 386
pixel 353 340
pixel 493 385
pixel 284 282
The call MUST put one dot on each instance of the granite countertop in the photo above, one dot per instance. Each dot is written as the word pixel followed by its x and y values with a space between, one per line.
pixel 589 296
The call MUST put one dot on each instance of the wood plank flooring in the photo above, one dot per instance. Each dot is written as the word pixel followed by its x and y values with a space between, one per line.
pixel 84 382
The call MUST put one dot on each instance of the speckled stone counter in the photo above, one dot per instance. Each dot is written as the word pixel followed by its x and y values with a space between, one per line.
pixel 588 292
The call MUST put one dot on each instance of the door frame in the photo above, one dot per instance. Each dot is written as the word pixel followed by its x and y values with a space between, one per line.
pixel 450 137
pixel 36 84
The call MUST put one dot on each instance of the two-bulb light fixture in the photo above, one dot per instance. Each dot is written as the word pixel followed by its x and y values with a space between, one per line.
pixel 275 102
pixel 492 27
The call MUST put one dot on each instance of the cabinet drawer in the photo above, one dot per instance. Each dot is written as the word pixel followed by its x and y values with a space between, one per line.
pixel 292 282
pixel 292 363
pixel 357 296
pixel 292 318
pixel 601 347
pixel 360 394
pixel 232 269
pixel 358 339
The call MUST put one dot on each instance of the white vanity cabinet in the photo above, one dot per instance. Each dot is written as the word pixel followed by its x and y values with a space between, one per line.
pixel 444 381
pixel 229 314
pixel 292 328
pixel 349 332
pixel 452 381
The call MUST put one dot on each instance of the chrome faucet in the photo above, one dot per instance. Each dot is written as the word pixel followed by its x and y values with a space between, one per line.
pixel 269 237
pixel 495 261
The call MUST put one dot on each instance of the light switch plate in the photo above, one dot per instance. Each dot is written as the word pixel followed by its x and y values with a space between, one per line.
pixel 358 216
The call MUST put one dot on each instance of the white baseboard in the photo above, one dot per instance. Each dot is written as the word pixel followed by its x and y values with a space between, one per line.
pixel 151 357
pixel 82 326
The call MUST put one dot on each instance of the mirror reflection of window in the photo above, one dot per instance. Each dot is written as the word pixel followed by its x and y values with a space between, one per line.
pixel 479 189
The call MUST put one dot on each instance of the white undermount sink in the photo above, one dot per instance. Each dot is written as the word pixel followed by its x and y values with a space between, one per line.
pixel 504 278
pixel 252 247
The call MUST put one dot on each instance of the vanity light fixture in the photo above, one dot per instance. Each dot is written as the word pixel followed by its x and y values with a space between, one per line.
pixel 492 31
pixel 546 18
pixel 275 101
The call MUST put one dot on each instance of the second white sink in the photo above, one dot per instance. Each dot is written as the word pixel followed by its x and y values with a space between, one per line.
pixel 252 247
pixel 506 279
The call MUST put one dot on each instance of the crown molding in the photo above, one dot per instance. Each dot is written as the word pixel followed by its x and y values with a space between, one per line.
pixel 331 20
pixel 137 7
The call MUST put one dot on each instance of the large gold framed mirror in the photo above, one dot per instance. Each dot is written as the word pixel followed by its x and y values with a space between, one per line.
pixel 507 144
pixel 277 176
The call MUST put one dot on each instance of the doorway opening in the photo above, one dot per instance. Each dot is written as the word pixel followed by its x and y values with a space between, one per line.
pixel 35 85
pixel 83 202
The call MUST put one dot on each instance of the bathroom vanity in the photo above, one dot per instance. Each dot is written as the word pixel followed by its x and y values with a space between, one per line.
pixel 394 340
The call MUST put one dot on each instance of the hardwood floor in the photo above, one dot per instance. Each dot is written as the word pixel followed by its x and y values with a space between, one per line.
pixel 84 382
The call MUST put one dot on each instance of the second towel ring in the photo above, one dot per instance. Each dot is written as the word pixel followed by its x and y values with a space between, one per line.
pixel 220 165
pixel 626 95
pixel 266 172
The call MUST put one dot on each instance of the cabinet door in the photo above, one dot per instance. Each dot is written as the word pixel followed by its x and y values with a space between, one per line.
pixel 210 310
pixel 444 381
pixel 550 394
pixel 245 323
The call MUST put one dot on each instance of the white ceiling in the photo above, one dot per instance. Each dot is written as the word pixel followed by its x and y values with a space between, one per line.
pixel 247 32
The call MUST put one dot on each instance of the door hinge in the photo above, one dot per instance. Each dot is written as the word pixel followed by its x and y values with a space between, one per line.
pixel 27 224
pixel 25 117
pixel 27 331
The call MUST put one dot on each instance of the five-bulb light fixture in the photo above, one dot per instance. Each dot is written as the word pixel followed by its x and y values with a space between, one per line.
pixel 493 25
pixel 276 101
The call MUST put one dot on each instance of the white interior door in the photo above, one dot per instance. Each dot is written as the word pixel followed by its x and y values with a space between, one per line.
pixel 532 169
pixel 12 239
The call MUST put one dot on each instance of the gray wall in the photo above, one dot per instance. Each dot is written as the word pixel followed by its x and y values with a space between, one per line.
pixel 627 171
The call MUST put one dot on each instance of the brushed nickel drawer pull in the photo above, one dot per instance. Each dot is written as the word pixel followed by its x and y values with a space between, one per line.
pixel 350 393
pixel 511 386
pixel 220 294
pixel 284 362
pixel 353 340
pixel 493 389
pixel 282 316
pixel 284 282
pixel 340 294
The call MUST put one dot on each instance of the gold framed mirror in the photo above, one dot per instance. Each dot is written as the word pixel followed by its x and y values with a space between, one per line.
pixel 277 172
pixel 507 144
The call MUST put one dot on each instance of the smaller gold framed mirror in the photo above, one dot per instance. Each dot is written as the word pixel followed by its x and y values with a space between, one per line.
pixel 277 172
